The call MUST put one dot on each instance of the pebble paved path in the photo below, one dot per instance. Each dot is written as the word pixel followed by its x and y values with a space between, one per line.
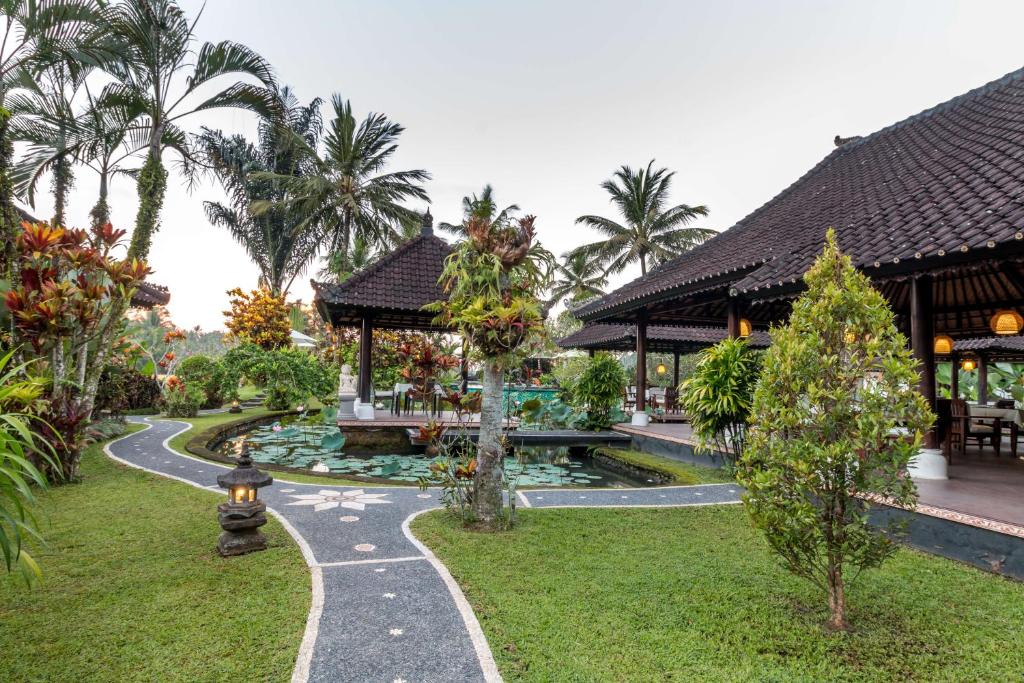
pixel 384 608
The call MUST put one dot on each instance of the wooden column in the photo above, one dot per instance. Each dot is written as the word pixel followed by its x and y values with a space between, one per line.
pixel 675 369
pixel 982 380
pixel 590 352
pixel 954 376
pixel 922 342
pixel 641 361
pixel 732 322
pixel 365 360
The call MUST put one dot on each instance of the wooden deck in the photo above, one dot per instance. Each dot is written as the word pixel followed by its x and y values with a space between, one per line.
pixel 385 419
pixel 982 490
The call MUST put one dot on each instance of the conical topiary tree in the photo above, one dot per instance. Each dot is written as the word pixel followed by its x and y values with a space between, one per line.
pixel 835 420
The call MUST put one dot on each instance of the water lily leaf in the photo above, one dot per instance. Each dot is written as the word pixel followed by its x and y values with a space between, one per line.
pixel 289 433
pixel 333 442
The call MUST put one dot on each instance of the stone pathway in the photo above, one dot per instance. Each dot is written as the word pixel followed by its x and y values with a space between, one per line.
pixel 384 607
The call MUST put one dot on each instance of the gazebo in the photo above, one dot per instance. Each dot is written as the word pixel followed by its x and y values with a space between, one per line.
pixel 931 208
pixel 659 339
pixel 982 351
pixel 390 294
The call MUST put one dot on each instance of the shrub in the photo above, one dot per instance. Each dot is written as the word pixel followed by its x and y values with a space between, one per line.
pixel 826 439
pixel 288 376
pixel 210 375
pixel 122 390
pixel 181 399
pixel 258 317
pixel 718 396
pixel 599 390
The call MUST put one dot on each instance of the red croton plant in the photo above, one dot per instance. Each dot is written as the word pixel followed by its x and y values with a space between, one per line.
pixel 68 299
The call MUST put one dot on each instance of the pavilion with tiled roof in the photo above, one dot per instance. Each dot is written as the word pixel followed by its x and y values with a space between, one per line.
pixel 390 294
pixel 931 208
pixel 660 339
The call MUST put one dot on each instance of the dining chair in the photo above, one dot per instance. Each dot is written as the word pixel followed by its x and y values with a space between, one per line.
pixel 963 426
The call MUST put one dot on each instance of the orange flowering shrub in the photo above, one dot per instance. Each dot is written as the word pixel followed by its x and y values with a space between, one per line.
pixel 259 317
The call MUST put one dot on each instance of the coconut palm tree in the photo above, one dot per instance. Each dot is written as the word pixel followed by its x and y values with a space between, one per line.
pixel 349 195
pixel 277 239
pixel 484 206
pixel 650 233
pixel 35 33
pixel 158 74
pixel 577 279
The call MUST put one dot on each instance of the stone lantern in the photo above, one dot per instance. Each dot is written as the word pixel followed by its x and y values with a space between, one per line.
pixel 242 515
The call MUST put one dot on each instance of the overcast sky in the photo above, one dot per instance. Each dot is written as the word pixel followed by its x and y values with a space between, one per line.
pixel 544 100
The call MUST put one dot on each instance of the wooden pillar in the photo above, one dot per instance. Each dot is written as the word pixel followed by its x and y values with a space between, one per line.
pixel 641 361
pixel 464 368
pixel 982 379
pixel 365 360
pixel 954 376
pixel 590 352
pixel 675 369
pixel 732 322
pixel 922 342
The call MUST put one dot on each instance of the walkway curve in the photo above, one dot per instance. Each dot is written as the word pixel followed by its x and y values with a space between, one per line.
pixel 384 608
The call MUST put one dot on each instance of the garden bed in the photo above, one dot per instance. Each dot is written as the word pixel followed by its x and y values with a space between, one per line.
pixel 662 470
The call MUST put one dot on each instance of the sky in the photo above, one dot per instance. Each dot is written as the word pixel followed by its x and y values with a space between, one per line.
pixel 545 100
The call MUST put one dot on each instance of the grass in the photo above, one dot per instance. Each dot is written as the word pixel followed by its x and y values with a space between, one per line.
pixel 694 594
pixel 681 473
pixel 134 589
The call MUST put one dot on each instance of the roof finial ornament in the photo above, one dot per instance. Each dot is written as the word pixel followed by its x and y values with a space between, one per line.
pixel 427 227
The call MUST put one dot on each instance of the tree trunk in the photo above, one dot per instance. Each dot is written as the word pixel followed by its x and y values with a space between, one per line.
pixel 487 486
pixel 9 222
pixel 100 213
pixel 152 186
pixel 836 597
pixel 61 183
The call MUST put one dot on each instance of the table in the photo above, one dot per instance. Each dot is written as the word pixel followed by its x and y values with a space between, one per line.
pixel 1011 416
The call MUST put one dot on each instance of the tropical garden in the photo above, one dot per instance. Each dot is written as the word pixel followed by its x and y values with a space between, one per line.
pixel 768 590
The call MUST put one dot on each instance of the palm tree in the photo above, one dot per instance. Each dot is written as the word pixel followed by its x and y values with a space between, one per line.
pixel 484 206
pixel 348 195
pixel 277 239
pixel 158 73
pixel 577 279
pixel 35 33
pixel 43 116
pixel 651 232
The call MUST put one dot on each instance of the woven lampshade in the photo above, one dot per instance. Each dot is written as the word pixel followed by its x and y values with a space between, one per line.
pixel 943 344
pixel 745 327
pixel 1007 322
pixel 968 364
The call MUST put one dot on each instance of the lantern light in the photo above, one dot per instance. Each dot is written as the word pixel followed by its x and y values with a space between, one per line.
pixel 661 369
pixel 943 344
pixel 236 407
pixel 1007 321
pixel 745 327
pixel 968 364
pixel 242 515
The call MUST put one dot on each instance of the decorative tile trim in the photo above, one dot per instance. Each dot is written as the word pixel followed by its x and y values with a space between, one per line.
pixel 954 516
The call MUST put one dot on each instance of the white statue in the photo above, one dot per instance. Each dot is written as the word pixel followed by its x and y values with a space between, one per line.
pixel 347 383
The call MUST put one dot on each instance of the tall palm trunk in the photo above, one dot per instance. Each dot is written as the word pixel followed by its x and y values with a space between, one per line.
pixel 100 213
pixel 487 485
pixel 9 222
pixel 152 186
pixel 63 179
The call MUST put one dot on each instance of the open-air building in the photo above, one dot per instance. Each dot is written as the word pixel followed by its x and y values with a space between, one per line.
pixel 932 209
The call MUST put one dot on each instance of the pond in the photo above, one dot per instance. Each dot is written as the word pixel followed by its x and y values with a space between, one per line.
pixel 299 447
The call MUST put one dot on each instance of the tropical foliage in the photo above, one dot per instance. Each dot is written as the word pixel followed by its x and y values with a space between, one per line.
pixel 69 291
pixel 288 376
pixel 281 242
pixel 493 280
pixel 577 279
pixel 347 194
pixel 209 375
pixel 835 421
pixel 652 232
pixel 718 396
pixel 483 205
pixel 598 392
pixel 259 317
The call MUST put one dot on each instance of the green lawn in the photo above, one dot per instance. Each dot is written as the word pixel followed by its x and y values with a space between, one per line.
pixel 682 473
pixel 694 594
pixel 134 589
